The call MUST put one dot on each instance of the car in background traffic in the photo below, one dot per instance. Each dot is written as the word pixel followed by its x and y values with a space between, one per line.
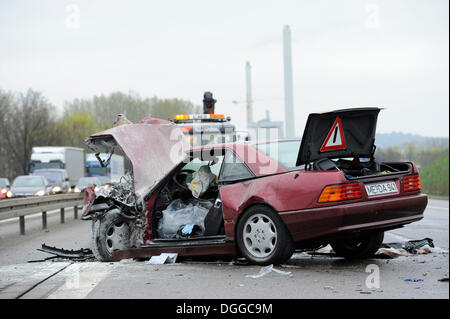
pixel 58 179
pixel 85 182
pixel 29 185
pixel 4 188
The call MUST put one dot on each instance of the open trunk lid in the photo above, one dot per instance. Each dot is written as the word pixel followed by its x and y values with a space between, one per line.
pixel 338 134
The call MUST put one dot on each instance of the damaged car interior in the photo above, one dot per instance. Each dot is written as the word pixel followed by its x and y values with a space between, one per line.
pixel 188 204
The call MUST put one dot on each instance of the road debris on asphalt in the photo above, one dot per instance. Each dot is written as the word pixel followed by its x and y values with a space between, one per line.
pixel 413 279
pixel 407 248
pixel 268 269
pixel 83 254
pixel 411 246
pixel 164 258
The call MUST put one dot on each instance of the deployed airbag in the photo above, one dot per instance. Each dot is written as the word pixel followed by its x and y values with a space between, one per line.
pixel 177 215
pixel 203 178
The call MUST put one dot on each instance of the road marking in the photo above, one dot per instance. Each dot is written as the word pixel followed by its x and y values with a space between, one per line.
pixel 81 280
pixel 435 207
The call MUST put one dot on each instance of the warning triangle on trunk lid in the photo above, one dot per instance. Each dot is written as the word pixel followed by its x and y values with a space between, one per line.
pixel 341 133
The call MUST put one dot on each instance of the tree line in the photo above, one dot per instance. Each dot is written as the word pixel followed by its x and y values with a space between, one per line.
pixel 432 161
pixel 28 119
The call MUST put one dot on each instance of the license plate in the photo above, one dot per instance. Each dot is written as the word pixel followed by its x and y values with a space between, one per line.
pixel 381 188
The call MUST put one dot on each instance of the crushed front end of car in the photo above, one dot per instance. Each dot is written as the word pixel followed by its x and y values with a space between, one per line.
pixel 118 212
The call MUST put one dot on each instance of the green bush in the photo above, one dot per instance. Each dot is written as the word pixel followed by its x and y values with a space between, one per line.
pixel 435 176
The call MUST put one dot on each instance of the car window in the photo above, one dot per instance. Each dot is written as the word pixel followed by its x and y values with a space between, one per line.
pixel 28 182
pixel 234 168
pixel 52 176
pixel 3 183
pixel 284 152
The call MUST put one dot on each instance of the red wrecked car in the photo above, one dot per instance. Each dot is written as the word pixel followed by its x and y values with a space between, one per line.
pixel 259 200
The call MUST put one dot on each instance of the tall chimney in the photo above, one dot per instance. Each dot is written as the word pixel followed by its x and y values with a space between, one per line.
pixel 288 86
pixel 248 75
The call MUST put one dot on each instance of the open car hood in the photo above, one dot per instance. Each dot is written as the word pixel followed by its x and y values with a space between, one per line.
pixel 341 133
pixel 153 150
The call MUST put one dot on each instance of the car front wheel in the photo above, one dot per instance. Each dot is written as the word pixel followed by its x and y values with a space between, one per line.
pixel 110 232
pixel 359 247
pixel 262 238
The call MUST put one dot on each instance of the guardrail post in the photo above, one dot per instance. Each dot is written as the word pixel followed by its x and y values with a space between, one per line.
pixel 75 212
pixel 44 220
pixel 62 215
pixel 22 224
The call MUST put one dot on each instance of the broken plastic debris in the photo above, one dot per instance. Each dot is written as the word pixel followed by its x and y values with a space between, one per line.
pixel 265 270
pixel 391 253
pixel 187 230
pixel 164 258
pixel 413 279
pixel 411 245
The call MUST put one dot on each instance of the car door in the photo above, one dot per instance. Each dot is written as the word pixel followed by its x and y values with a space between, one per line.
pixel 235 178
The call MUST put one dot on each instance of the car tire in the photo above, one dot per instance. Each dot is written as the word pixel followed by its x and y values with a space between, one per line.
pixel 110 232
pixel 262 237
pixel 360 247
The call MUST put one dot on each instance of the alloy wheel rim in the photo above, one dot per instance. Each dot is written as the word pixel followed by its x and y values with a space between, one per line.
pixel 117 236
pixel 260 236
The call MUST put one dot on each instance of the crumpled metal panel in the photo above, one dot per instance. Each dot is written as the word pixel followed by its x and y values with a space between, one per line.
pixel 153 150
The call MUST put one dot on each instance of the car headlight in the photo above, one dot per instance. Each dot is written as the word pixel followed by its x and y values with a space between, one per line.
pixel 56 189
pixel 9 194
pixel 40 193
pixel 4 191
pixel 69 190
pixel 77 190
pixel 96 189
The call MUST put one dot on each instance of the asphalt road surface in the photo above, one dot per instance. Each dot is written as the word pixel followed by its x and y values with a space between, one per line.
pixel 304 276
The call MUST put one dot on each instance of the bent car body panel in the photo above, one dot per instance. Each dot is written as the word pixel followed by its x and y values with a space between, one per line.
pixel 354 128
pixel 153 150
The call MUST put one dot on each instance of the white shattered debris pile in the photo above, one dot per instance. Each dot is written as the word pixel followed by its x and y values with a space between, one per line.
pixel 268 269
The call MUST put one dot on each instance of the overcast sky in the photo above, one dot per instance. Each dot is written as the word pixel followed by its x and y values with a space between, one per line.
pixel 393 54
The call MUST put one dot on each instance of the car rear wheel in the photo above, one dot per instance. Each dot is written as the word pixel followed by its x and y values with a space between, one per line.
pixel 359 247
pixel 262 238
pixel 110 232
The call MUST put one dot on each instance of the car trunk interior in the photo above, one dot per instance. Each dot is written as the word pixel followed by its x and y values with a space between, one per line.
pixel 356 168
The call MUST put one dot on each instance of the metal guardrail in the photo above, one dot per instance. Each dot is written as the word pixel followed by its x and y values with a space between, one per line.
pixel 21 207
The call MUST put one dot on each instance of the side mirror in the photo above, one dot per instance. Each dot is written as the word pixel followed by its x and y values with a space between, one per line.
pixel 67 179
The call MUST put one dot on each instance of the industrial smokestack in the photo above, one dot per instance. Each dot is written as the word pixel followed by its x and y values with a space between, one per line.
pixel 288 86
pixel 248 76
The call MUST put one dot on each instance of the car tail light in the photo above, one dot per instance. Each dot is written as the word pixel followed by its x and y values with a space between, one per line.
pixel 411 183
pixel 335 193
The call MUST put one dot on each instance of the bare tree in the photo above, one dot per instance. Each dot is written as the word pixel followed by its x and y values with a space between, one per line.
pixel 25 121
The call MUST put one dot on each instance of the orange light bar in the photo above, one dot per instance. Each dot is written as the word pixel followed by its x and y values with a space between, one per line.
pixel 217 116
pixel 335 193
pixel 181 117
pixel 411 183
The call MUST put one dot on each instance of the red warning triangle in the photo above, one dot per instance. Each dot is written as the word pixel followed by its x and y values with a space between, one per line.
pixel 335 139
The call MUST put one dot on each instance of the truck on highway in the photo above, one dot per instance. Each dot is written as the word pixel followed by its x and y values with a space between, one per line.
pixel 61 157
pixel 109 174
